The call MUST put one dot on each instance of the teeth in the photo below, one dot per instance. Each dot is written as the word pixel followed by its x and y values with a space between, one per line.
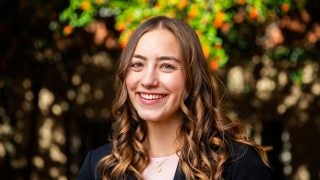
pixel 151 96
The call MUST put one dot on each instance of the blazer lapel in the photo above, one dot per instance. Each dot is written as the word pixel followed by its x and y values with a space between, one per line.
pixel 179 175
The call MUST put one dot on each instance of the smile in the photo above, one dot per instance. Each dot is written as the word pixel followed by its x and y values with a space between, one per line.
pixel 151 96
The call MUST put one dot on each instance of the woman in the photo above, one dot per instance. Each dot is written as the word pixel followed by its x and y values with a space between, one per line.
pixel 168 114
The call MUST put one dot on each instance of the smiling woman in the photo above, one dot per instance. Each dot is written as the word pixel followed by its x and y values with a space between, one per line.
pixel 149 80
pixel 169 121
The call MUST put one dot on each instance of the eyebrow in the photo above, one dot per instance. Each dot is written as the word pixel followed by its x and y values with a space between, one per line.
pixel 158 58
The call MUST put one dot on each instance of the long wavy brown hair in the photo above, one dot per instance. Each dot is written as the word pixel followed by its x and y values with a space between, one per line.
pixel 206 133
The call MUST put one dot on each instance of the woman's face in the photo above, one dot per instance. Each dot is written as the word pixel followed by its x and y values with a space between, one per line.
pixel 155 79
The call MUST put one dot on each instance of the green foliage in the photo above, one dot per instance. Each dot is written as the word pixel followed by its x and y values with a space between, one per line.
pixel 208 18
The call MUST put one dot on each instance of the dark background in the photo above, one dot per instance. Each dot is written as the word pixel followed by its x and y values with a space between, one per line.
pixel 56 92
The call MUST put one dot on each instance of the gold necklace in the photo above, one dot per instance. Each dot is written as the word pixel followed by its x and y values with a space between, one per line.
pixel 159 168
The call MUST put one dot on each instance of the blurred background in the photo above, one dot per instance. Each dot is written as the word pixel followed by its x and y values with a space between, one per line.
pixel 57 61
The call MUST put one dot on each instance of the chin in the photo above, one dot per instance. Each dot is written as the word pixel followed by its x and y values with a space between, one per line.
pixel 148 118
pixel 148 114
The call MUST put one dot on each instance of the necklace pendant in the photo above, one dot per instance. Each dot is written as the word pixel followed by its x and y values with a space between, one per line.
pixel 158 169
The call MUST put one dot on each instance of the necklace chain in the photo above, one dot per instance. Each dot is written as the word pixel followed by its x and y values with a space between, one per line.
pixel 159 168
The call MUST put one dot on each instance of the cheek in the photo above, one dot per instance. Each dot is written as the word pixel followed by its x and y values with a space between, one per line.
pixel 130 81
pixel 175 84
pixel 129 88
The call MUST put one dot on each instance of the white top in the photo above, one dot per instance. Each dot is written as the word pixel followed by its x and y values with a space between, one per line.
pixel 161 168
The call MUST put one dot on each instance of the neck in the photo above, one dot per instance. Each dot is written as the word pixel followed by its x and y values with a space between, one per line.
pixel 162 139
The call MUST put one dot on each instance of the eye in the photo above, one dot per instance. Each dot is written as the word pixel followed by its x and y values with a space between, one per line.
pixel 136 66
pixel 167 67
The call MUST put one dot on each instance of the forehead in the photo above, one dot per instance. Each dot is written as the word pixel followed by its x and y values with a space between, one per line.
pixel 158 41
pixel 159 34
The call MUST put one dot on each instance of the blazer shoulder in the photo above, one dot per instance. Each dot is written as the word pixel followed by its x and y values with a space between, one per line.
pixel 89 166
pixel 245 163
pixel 101 151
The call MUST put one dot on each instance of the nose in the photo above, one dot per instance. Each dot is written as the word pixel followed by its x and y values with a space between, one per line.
pixel 150 78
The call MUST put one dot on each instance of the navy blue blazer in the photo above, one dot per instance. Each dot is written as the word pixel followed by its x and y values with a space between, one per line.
pixel 244 164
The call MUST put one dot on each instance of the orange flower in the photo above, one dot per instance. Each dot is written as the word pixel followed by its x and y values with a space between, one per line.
pixel 182 4
pixel 120 26
pixel 219 19
pixel 85 5
pixel 125 38
pixel 214 64
pixel 217 46
pixel 253 13
pixel 158 5
pixel 193 11
pixel 206 51
pixel 67 29
pixel 122 45
pixel 123 42
pixel 285 7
